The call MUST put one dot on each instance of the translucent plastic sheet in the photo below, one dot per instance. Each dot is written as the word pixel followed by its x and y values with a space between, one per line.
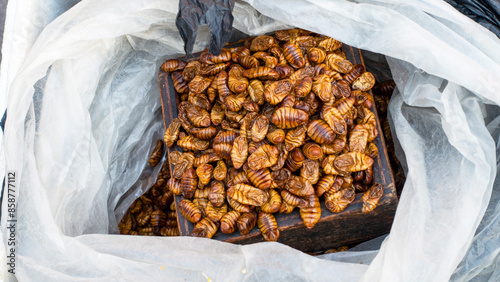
pixel 84 108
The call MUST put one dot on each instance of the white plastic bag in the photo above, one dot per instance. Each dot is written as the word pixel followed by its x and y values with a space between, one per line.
pixel 83 107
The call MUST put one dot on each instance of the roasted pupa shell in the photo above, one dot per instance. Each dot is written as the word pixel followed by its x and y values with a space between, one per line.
pixel 310 171
pixel 356 71
pixel 329 44
pixel 319 131
pixel 189 183
pixel 328 165
pixel 261 72
pixel 371 197
pixel 352 161
pixel 180 85
pixel 189 210
pixel 303 87
pixel 261 43
pixel 199 84
pixel 294 160
pixel 173 65
pixel 273 203
pixel 172 132
pixel 190 143
pixel 312 212
pixel 204 133
pixel 316 55
pixel 157 154
pixel 247 195
pixel 228 222
pixel 191 70
pixel 241 51
pixel 264 156
pixel 275 92
pixel 215 213
pixel 204 173
pixel 312 151
pixel 256 91
pixel 364 82
pixel 299 186
pixel 174 185
pixel 260 178
pixel 295 138
pixel 208 58
pixel 358 139
pixel 204 228
pixel 205 159
pixel 338 63
pixel 220 171
pixel 217 194
pixel 276 135
pixel 198 116
pixel 288 117
pixel 246 222
pixel 324 184
pixel 268 226
pixel 338 201
pixel 259 128
pixel 239 151
pixel 237 206
pixel 293 55
pixel 322 87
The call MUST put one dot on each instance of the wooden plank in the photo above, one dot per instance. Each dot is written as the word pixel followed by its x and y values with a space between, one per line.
pixel 333 229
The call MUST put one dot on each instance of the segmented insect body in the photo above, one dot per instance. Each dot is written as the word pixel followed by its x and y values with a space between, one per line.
pixel 157 154
pixel 299 186
pixel 371 197
pixel 358 139
pixel 260 178
pixel 303 87
pixel 261 43
pixel 198 116
pixel 246 222
pixel 353 161
pixel 174 185
pixel 295 138
pixel 284 71
pixel 215 213
pixel 256 91
pixel 319 131
pixel 241 51
pixel 180 85
pixel 248 195
pixel 228 222
pixel 204 173
pixel 275 92
pixel 316 55
pixel 191 143
pixel 204 133
pixel 273 203
pixel 338 201
pixel 191 70
pixel 310 171
pixel 294 160
pixel 207 58
pixel 202 192
pixel 324 184
pixel 288 117
pixel 173 65
pixel 236 81
pixel 322 87
pixel 199 84
pixel 265 156
pixel 293 55
pixel 364 82
pixel 336 122
pixel 205 159
pixel 356 71
pixel 172 132
pixel 220 171
pixel 371 150
pixel 312 212
pixel 217 194
pixel 338 63
pixel 268 226
pixel 204 228
pixel 329 44
pixel 276 135
pixel 239 152
pixel 189 210
pixel 189 183
pixel 214 69
pixel 328 165
pixel 259 128
pixel 312 151
pixel 237 206
pixel 281 158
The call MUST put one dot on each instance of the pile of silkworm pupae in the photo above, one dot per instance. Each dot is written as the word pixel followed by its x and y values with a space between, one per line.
pixel 153 213
pixel 275 124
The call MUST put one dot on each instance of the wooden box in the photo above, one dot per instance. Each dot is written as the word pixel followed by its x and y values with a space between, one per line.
pixel 333 229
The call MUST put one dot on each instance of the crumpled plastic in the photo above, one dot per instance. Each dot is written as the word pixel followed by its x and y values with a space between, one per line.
pixel 84 110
